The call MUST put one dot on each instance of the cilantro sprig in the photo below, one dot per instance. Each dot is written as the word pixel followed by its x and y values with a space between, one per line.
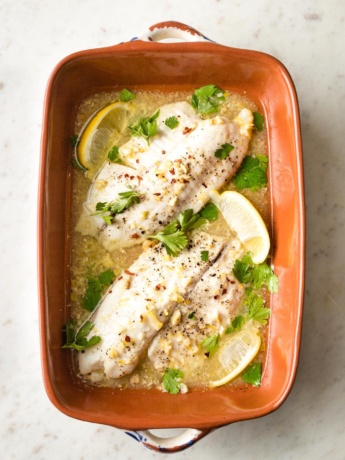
pixel 78 339
pixel 207 99
pixel 171 122
pixel 210 212
pixel 211 344
pixel 252 374
pixel 172 380
pixel 223 152
pixel 258 121
pixel 124 201
pixel 94 289
pixel 256 274
pixel 113 155
pixel 146 127
pixel 252 173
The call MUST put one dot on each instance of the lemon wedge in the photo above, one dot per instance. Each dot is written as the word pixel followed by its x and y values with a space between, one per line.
pixel 245 221
pixel 234 354
pixel 101 133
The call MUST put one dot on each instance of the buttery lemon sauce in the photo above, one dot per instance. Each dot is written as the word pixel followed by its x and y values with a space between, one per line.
pixel 89 258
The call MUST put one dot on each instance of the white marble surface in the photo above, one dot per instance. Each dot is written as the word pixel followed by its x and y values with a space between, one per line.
pixel 308 37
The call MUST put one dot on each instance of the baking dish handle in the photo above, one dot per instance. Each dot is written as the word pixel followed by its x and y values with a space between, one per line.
pixel 172 30
pixel 168 445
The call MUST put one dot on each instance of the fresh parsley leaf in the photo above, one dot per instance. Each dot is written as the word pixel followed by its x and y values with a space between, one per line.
pixel 113 155
pixel 258 275
pixel 253 173
pixel 173 239
pixel 211 344
pixel 171 380
pixel 204 256
pixel 124 201
pixel 256 307
pixel 146 127
pixel 92 294
pixel 191 315
pixel 258 121
pixel 189 221
pixel 224 151
pixel 243 270
pixel 171 122
pixel 236 324
pixel 126 95
pixel 79 341
pixel 252 374
pixel 207 99
pixel 210 212
pixel 74 140
pixel 106 277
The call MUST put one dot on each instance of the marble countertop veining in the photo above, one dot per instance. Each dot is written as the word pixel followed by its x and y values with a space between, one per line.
pixel 308 37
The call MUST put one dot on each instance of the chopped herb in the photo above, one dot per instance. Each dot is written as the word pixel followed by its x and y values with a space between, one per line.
pixel 171 122
pixel 113 155
pixel 236 324
pixel 258 121
pixel 173 239
pixel 74 140
pixel 172 380
pixel 107 277
pixel 146 127
pixel 204 256
pixel 256 307
pixel 92 294
pixel 224 151
pixel 253 173
pixel 207 99
pixel 211 344
pixel 189 221
pixel 78 340
pixel 124 201
pixel 126 95
pixel 192 315
pixel 258 275
pixel 252 374
pixel 94 289
pixel 210 212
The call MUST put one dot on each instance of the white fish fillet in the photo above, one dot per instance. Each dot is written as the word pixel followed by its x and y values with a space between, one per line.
pixel 182 180
pixel 141 302
pixel 207 310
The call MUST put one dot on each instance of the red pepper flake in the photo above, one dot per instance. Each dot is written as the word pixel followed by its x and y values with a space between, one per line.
pixel 187 130
pixel 173 181
pixel 185 181
pixel 127 338
pixel 159 287
pixel 224 291
pixel 129 273
pixel 137 160
pixel 126 176
pixel 163 152
pixel 157 194
pixel 148 300
pixel 119 279
pixel 139 178
pixel 131 177
pixel 135 236
pixel 172 171
pixel 216 297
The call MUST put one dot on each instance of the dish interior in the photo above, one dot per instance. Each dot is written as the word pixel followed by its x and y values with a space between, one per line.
pixel 172 67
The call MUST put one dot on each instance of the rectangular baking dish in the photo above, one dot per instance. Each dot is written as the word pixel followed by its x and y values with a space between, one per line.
pixel 147 63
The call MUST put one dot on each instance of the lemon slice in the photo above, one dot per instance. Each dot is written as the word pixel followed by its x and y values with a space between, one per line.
pixel 245 221
pixel 102 132
pixel 235 353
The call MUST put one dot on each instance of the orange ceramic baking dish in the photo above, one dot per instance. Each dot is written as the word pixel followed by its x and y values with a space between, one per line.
pixel 152 63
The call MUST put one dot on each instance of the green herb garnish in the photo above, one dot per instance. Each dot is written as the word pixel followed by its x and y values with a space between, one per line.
pixel 189 221
pixel 192 315
pixel 256 307
pixel 207 99
pixel 258 121
pixel 171 122
pixel 124 201
pixel 211 344
pixel 113 155
pixel 172 380
pixel 204 256
pixel 258 275
pixel 210 212
pixel 74 140
pixel 126 95
pixel 146 127
pixel 173 239
pixel 78 341
pixel 236 324
pixel 252 374
pixel 94 289
pixel 252 173
pixel 224 151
